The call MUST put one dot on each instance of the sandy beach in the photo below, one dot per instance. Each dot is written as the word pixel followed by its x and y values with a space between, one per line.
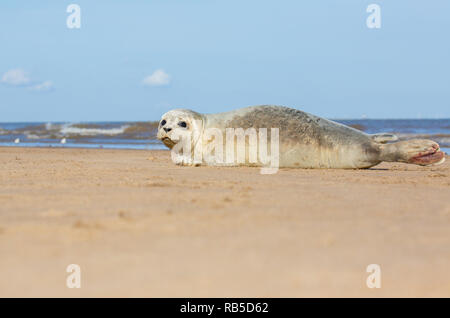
pixel 138 225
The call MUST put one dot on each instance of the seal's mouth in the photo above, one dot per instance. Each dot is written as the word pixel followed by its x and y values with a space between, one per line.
pixel 168 142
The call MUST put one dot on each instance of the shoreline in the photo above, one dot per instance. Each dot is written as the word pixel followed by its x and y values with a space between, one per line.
pixel 140 226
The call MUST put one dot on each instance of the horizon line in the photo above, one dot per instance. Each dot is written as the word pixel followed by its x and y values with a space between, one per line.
pixel 136 121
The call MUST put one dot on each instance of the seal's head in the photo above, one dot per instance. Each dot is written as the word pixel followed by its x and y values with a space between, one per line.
pixel 178 122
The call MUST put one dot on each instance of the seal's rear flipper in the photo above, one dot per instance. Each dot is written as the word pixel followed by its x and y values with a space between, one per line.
pixel 383 138
pixel 417 151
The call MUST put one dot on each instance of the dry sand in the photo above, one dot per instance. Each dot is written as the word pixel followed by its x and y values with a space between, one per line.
pixel 140 226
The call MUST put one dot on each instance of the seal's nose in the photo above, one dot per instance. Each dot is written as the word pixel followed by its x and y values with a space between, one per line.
pixel 167 129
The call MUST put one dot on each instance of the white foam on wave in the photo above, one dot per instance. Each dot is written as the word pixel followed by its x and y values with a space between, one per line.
pixel 69 130
pixel 32 136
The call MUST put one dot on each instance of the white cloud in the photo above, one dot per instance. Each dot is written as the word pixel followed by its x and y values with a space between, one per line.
pixel 16 77
pixel 42 87
pixel 158 78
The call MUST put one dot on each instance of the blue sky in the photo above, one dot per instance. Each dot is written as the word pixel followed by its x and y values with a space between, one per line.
pixel 211 56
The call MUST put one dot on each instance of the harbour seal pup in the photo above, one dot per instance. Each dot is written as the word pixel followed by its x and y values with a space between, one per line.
pixel 305 140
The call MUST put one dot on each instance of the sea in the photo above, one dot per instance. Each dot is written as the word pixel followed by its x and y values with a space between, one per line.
pixel 142 135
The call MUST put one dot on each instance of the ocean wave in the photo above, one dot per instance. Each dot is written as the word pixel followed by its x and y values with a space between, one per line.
pixel 34 137
pixel 76 131
pixel 125 130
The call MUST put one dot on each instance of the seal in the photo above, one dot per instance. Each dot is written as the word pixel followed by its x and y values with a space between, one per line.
pixel 305 140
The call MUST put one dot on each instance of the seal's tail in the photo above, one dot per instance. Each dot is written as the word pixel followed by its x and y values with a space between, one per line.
pixel 417 151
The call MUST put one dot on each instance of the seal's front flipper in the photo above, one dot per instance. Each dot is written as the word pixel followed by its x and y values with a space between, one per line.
pixel 383 138
pixel 417 151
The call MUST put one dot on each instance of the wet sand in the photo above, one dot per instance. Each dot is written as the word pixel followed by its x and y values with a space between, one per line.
pixel 140 226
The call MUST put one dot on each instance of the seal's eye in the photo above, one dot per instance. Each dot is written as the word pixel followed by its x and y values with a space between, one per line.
pixel 182 124
pixel 163 122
